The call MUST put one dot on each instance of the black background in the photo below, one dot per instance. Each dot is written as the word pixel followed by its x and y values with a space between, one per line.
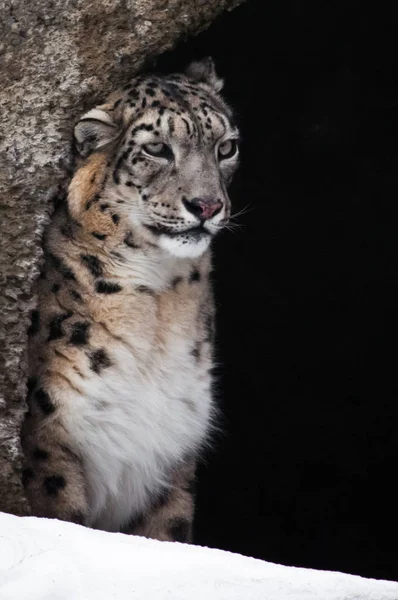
pixel 305 472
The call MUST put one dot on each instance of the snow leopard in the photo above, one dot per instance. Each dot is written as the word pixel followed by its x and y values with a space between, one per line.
pixel 120 389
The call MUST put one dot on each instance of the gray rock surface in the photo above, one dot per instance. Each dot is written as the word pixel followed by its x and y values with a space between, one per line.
pixel 57 58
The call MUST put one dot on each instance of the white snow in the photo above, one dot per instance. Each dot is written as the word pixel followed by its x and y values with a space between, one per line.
pixel 42 559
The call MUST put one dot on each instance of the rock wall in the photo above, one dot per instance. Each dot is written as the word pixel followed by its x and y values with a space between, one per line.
pixel 57 57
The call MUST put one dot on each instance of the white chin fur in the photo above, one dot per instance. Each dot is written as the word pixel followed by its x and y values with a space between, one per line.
pixel 184 247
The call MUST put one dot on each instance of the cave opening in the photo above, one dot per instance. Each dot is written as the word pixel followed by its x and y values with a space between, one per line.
pixel 306 294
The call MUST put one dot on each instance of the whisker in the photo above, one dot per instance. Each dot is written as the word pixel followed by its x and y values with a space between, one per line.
pixel 246 209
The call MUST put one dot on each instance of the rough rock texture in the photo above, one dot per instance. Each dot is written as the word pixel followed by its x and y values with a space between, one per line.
pixel 57 57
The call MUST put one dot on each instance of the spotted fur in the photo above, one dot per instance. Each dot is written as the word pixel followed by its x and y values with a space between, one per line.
pixel 120 345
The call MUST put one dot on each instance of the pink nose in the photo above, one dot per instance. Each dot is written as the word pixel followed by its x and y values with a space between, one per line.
pixel 204 208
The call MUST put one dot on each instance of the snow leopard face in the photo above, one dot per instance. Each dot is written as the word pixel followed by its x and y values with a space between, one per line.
pixel 171 149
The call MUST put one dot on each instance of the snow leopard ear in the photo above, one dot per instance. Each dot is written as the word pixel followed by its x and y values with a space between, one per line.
pixel 203 71
pixel 94 130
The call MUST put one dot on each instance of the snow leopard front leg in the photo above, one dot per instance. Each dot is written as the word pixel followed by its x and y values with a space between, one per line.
pixel 171 516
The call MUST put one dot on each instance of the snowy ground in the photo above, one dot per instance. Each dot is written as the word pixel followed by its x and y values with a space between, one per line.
pixel 42 559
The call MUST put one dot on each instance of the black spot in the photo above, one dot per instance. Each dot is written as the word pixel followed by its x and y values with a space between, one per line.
pixel 43 400
pixel 99 360
pixel 60 266
pixel 103 207
pixel 179 529
pixel 143 103
pixel 150 92
pixel 107 287
pixel 92 178
pixel 76 296
pixel 34 322
pixel 170 122
pixel 53 484
pixel 132 525
pixel 93 264
pixel 196 351
pixel 115 219
pixel 142 127
pixel 144 290
pixel 129 183
pixel 55 288
pixel 187 126
pixel 27 476
pixel 129 241
pixel 176 281
pixel 79 336
pixel 31 384
pixel 194 276
pixel 40 454
pixel 55 326
pixel 99 236
pixel 162 499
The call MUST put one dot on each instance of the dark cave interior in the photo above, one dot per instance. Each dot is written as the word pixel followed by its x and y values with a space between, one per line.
pixel 306 293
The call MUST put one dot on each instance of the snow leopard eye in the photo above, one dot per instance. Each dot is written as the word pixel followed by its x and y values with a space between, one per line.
pixel 159 150
pixel 227 149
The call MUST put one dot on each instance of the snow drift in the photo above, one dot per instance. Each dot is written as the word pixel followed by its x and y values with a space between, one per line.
pixel 42 559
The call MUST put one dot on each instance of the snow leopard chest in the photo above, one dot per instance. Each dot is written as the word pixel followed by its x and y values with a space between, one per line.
pixel 147 411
